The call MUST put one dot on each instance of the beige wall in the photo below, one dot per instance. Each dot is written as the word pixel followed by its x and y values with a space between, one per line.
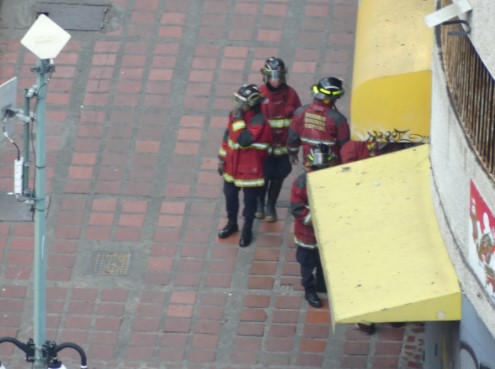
pixel 453 167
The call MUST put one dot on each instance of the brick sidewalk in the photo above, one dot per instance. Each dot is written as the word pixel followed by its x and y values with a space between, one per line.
pixel 136 274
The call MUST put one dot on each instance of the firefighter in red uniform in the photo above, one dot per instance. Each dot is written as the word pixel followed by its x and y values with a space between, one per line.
pixel 307 254
pixel 281 101
pixel 319 121
pixel 241 158
pixel 359 150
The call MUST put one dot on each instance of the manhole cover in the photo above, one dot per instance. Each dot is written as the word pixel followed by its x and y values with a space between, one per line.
pixel 75 17
pixel 111 263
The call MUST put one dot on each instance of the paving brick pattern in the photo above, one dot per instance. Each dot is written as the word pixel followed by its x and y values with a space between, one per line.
pixel 134 119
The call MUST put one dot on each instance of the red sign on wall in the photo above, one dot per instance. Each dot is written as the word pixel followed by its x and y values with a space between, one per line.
pixel 482 241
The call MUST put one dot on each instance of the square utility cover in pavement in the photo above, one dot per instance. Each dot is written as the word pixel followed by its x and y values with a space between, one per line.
pixel 111 263
pixel 12 210
pixel 74 17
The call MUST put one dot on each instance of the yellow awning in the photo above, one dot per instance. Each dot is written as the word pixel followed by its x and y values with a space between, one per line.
pixel 391 87
pixel 382 253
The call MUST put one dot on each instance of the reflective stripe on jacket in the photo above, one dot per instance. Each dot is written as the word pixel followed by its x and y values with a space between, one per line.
pixel 244 148
pixel 315 123
pixel 279 107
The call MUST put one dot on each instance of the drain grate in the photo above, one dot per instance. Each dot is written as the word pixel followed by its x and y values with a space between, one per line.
pixel 74 17
pixel 111 263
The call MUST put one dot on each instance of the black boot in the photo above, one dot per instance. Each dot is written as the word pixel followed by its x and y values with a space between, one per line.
pixel 366 328
pixel 247 233
pixel 312 297
pixel 260 207
pixel 273 193
pixel 230 228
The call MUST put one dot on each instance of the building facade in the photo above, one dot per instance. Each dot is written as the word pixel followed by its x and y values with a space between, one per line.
pixel 420 222
pixel 463 187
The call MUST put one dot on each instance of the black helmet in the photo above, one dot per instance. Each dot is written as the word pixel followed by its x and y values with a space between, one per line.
pixel 249 94
pixel 328 88
pixel 320 156
pixel 274 68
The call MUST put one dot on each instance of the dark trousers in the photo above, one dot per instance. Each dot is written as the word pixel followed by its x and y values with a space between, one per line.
pixel 309 260
pixel 277 168
pixel 231 192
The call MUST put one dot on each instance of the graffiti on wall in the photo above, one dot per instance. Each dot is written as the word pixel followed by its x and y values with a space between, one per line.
pixel 482 241
pixel 396 136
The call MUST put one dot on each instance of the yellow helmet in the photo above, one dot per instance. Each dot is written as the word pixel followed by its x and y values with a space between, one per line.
pixel 328 88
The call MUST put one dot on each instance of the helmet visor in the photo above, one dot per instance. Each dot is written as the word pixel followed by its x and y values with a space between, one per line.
pixel 275 75
pixel 320 159
pixel 238 101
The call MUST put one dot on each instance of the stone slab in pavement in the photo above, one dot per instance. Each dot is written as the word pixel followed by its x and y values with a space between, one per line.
pixel 135 272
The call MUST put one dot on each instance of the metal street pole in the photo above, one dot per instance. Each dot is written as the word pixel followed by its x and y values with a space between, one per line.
pixel 45 39
pixel 40 251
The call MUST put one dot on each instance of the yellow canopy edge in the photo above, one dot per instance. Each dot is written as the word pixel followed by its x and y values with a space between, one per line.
pixel 392 70
pixel 382 253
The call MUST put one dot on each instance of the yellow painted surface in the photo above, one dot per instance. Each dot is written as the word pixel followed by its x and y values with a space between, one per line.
pixel 392 69
pixel 381 249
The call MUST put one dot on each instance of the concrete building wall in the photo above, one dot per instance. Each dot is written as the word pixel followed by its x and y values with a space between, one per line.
pixel 454 166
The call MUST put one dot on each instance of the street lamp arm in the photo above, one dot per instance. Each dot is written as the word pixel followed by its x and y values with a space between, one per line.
pixel 76 347
pixel 28 347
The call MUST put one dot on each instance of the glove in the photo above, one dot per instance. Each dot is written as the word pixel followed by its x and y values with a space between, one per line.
pixel 220 167
pixel 237 113
pixel 293 158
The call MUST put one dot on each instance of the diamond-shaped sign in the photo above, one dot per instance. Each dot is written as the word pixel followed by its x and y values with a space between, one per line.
pixel 45 38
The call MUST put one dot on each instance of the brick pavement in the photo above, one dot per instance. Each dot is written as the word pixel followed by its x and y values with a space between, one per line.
pixel 135 116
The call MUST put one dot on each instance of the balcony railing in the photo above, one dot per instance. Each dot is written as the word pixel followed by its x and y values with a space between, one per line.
pixel 472 90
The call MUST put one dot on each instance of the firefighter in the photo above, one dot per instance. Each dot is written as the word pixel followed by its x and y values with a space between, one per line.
pixel 281 101
pixel 319 121
pixel 241 158
pixel 359 150
pixel 307 254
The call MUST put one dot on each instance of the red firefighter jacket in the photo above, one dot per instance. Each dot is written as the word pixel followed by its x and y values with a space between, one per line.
pixel 359 150
pixel 244 148
pixel 315 123
pixel 354 151
pixel 279 107
pixel 304 234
